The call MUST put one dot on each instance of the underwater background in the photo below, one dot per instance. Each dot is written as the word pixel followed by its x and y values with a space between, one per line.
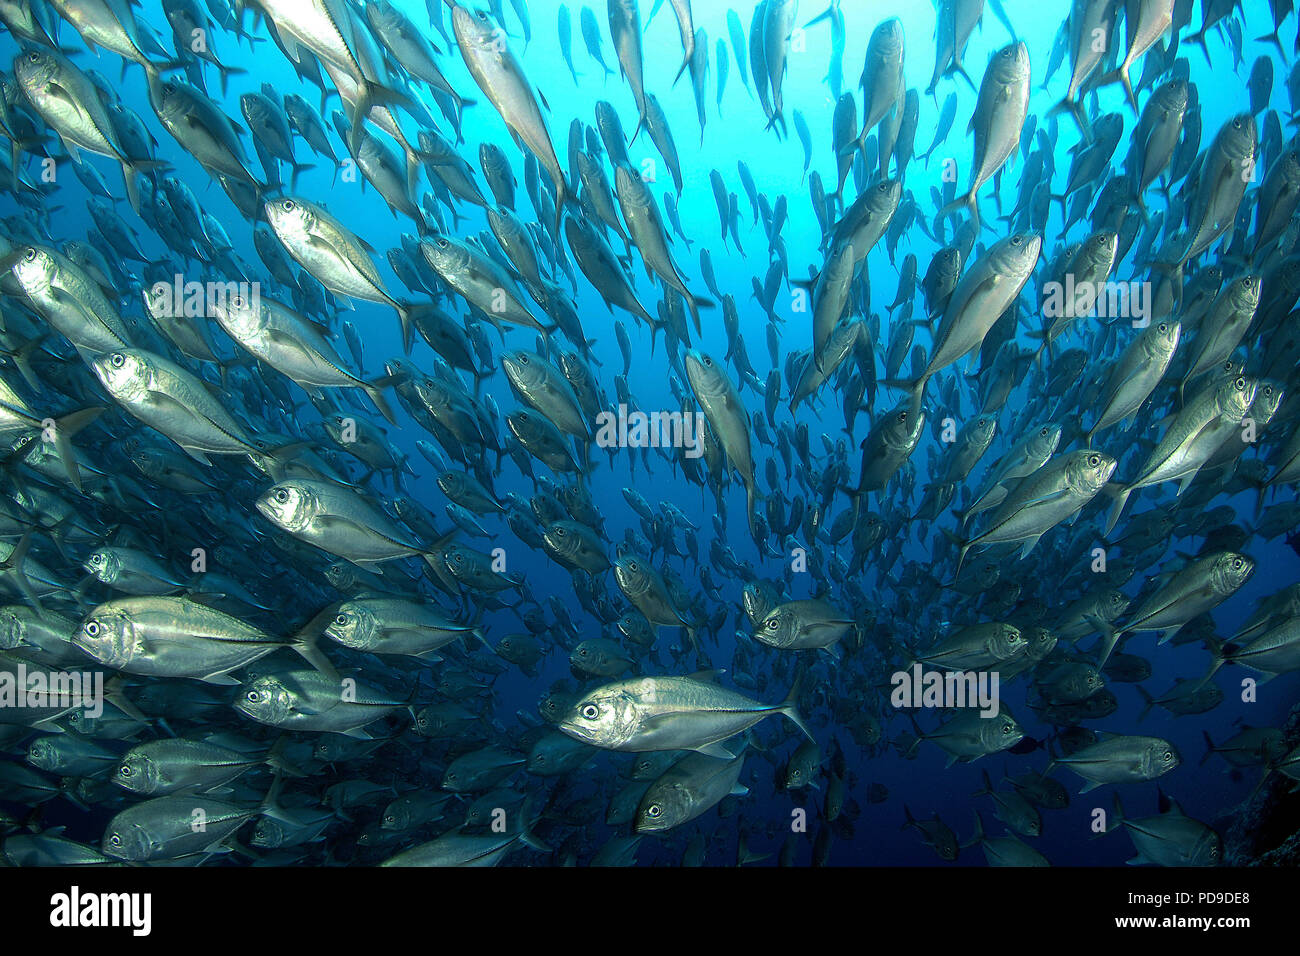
pixel 895 616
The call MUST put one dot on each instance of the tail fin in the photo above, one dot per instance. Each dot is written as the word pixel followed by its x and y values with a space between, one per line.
pixel 1075 109
pixel 305 643
pixel 1120 493
pixel 1117 815
pixel 1121 76
pixel 407 313
pixel 789 706
pixel 1209 748
pixel 1148 703
pixel 1109 638
pixel 65 429
pixel 1219 653
pixel 967 202
pixel 527 821
pixel 375 391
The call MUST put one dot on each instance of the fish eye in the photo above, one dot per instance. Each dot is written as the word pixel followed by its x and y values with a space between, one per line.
pixel 92 628
pixel 654 811
pixel 1016 240
pixel 126 770
pixel 902 417
pixel 1163 328
pixel 118 360
pixel 34 57
pixel 288 205
pixel 773 624
pixel 632 566
pixel 1043 432
pixel 251 697
pixel 1094 460
pixel 115 840
pixel 522 359
pixel 559 532
pixel 1169 755
pixel 591 712
pixel 1237 563
pixel 30 255
pixel 1239 384
pixel 237 301
pixel 281 495
pixel 341 619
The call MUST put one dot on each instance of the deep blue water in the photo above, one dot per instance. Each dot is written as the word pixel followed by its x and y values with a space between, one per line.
pixel 736 132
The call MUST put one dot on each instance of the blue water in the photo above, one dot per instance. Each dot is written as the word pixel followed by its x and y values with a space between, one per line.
pixel 736 132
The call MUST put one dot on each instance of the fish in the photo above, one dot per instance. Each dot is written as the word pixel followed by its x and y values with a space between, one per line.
pixel 1017 428
pixel 997 121
pixel 669 713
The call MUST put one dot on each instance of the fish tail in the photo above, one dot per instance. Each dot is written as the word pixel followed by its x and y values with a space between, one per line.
pixel 1120 75
pixel 1209 748
pixel 1147 703
pixel 1218 657
pixel 1109 638
pixel 686 61
pixel 1273 39
pixel 276 761
pixel 295 170
pixel 375 391
pixel 957 205
pixel 1199 39
pixel 408 314
pixel 65 429
pixel 14 564
pixel 789 707
pixel 824 15
pixel 224 73
pixel 562 198
pixel 305 642
pixel 961 71
pixel 752 500
pixel 1120 493
pixel 528 820
pixel 1075 109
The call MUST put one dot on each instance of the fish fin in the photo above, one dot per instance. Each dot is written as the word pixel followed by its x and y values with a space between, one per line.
pixel 788 707
pixel 715 750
